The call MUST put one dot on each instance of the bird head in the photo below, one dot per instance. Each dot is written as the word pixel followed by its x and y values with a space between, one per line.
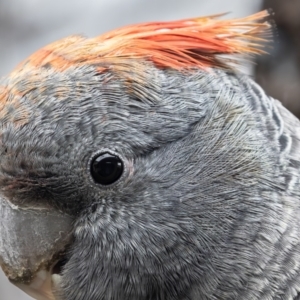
pixel 124 159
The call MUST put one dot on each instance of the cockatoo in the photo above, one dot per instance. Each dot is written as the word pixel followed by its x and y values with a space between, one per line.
pixel 142 165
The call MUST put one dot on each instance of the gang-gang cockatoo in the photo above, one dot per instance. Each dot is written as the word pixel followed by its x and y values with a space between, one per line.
pixel 141 165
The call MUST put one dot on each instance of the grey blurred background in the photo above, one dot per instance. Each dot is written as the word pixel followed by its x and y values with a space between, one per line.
pixel 279 72
pixel 27 25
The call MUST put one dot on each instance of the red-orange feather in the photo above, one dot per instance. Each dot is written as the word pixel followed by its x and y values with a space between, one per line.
pixel 180 44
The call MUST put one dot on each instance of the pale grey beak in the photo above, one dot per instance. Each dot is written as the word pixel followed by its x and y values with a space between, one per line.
pixel 30 244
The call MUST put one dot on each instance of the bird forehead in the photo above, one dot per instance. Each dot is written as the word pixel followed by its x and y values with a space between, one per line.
pixel 12 110
pixel 24 95
pixel 35 81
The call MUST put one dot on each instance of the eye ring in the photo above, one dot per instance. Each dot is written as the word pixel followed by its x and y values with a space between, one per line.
pixel 106 168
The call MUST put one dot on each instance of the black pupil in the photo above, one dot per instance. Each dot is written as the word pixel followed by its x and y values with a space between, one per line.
pixel 106 168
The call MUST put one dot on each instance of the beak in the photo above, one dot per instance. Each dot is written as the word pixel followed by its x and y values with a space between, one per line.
pixel 31 242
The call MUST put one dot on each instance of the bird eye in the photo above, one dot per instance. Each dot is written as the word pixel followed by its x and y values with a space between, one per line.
pixel 106 168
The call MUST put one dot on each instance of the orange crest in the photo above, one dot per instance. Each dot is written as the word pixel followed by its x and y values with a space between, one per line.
pixel 180 44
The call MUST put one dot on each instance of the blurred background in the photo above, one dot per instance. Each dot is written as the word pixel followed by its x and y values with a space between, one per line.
pixel 27 25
